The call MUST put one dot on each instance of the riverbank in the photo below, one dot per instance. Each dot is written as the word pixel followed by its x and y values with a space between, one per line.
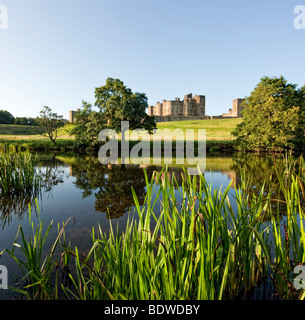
pixel 218 136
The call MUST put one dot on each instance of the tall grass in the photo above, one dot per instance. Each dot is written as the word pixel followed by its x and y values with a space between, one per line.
pixel 199 247
pixel 17 173
pixel 39 269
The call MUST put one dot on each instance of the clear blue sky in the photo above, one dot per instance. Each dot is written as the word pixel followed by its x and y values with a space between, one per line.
pixel 56 52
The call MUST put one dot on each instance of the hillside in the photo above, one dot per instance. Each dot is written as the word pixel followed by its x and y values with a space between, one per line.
pixel 16 132
pixel 216 129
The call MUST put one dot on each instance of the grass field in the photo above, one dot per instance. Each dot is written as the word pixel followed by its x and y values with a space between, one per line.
pixel 218 134
pixel 14 132
pixel 216 129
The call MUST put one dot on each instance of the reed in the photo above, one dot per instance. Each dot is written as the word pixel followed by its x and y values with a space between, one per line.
pixel 39 265
pixel 199 247
pixel 17 173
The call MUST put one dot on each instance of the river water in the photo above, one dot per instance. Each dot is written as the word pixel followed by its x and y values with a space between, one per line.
pixel 95 194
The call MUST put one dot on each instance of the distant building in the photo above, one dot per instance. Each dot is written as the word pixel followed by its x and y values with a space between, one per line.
pixel 190 106
pixel 72 115
pixel 236 111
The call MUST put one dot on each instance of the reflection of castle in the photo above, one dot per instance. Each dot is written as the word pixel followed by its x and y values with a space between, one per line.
pixel 236 179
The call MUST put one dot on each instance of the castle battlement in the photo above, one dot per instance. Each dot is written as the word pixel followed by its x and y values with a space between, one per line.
pixel 190 106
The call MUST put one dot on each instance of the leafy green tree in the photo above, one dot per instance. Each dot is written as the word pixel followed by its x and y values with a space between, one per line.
pixel 51 121
pixel 25 121
pixel 118 103
pixel 87 126
pixel 6 117
pixel 272 117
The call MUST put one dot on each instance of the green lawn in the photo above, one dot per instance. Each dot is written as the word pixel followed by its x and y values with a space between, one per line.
pixel 216 129
pixel 14 132
pixel 218 133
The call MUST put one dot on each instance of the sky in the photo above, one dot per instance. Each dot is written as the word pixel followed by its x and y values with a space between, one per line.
pixel 55 53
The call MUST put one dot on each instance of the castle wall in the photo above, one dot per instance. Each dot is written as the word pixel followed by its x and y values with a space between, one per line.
pixel 185 118
pixel 72 115
pixel 150 110
pixel 179 118
pixel 239 108
pixel 236 111
pixel 188 107
pixel 167 108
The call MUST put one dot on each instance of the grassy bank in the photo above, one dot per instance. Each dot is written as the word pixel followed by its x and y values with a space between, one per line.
pixel 218 133
pixel 38 144
pixel 199 247
pixel 217 130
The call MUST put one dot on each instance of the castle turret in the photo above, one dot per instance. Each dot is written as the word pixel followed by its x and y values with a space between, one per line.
pixel 158 110
pixel 150 110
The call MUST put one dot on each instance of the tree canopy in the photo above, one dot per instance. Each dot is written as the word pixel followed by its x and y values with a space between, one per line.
pixel 115 103
pixel 88 125
pixel 26 121
pixel 118 103
pixel 6 117
pixel 273 117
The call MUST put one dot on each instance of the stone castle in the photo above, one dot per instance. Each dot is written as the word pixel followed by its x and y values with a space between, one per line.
pixel 236 111
pixel 190 106
pixel 72 115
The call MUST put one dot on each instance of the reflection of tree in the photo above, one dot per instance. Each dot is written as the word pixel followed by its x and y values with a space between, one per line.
pixel 111 185
pixel 51 173
pixel 18 204
pixel 261 171
pixel 258 171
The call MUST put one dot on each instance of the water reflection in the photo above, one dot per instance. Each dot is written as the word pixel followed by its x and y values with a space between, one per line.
pixel 51 173
pixel 110 186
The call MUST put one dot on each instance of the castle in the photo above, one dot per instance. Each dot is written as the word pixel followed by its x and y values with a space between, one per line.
pixel 236 111
pixel 72 115
pixel 190 106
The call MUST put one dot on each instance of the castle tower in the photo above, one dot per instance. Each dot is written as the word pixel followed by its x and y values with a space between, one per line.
pixel 150 110
pixel 158 109
pixel 72 115
pixel 237 108
pixel 236 111
pixel 200 105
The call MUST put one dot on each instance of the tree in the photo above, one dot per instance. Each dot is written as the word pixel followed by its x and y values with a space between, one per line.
pixel 51 122
pixel 25 121
pixel 6 117
pixel 118 103
pixel 88 125
pixel 272 117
